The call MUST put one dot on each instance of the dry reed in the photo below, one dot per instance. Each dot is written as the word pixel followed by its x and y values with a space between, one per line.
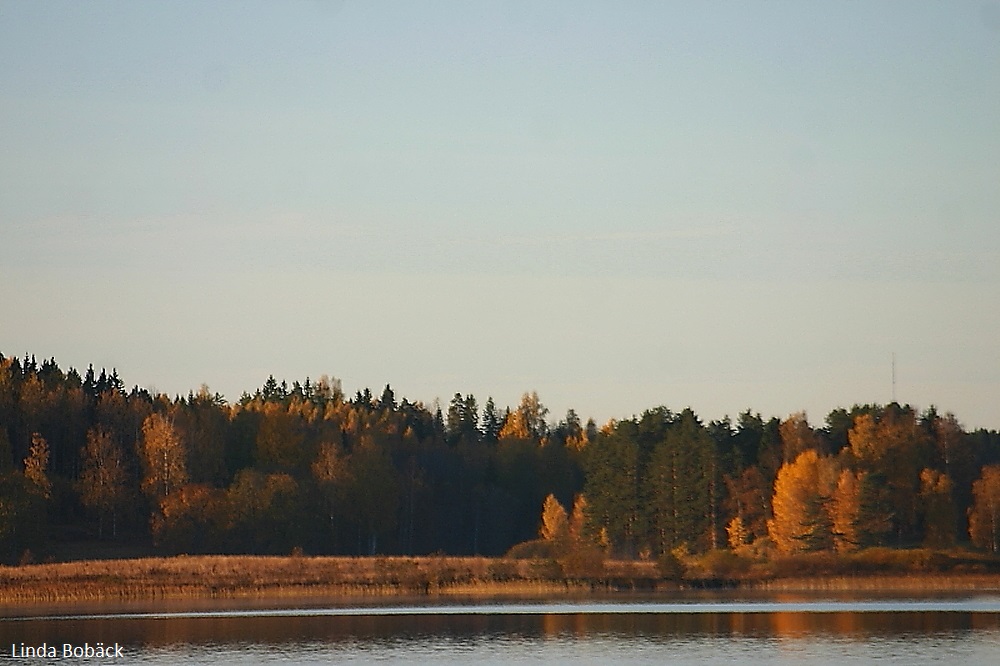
pixel 237 577
pixel 251 576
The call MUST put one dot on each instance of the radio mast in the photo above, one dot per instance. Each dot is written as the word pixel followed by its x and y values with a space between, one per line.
pixel 894 376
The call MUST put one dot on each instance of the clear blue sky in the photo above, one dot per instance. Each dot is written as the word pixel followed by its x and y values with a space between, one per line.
pixel 619 205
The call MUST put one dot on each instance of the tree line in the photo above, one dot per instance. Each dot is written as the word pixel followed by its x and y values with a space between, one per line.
pixel 304 467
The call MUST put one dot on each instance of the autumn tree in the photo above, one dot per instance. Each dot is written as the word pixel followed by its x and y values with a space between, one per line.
pixel 956 456
pixel 527 421
pixel 514 427
pixel 891 445
pixel 585 557
pixel 330 472
pixel 555 522
pixel 103 480
pixel 570 432
pixel 579 519
pixel 939 513
pixel 268 512
pixel 737 535
pixel 36 466
pixel 860 510
pixel 748 500
pixel 164 457
pixel 193 519
pixel 566 539
pixel 121 417
pixel 845 509
pixel 281 440
pixel 984 516
pixel 801 522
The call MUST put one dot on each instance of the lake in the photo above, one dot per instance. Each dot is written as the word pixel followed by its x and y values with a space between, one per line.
pixel 695 630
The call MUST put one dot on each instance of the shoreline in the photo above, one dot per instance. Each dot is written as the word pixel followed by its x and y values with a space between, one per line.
pixel 266 578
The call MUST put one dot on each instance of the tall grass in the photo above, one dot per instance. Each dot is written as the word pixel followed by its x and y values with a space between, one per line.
pixel 275 577
pixel 251 576
pixel 871 569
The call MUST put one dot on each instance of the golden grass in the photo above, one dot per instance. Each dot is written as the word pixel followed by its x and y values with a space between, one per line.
pixel 908 583
pixel 252 576
pixel 235 577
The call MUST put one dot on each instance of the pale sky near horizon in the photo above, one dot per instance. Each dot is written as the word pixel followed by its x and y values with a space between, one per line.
pixel 722 205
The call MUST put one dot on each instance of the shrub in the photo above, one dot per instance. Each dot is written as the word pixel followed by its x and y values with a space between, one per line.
pixel 531 550
pixel 583 561
pixel 719 564
pixel 670 566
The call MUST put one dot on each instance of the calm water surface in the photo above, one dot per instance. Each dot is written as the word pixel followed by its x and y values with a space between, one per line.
pixel 698 631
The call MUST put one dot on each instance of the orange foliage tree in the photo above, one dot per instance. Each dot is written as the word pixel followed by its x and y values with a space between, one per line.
pixel 801 522
pixel 984 516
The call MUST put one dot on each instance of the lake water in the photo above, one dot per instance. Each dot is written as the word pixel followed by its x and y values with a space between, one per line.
pixel 696 631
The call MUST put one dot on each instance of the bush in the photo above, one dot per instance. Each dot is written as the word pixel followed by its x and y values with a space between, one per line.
pixel 532 550
pixel 545 569
pixel 583 561
pixel 904 561
pixel 670 567
pixel 719 564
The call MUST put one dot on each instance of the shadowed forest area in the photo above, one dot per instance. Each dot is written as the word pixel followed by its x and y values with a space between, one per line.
pixel 89 468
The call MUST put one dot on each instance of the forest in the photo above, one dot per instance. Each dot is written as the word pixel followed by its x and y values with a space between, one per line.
pixel 303 468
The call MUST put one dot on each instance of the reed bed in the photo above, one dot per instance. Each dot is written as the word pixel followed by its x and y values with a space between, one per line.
pixel 255 577
pixel 914 583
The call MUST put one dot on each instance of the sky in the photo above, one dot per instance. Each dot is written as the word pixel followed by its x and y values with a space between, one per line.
pixel 721 205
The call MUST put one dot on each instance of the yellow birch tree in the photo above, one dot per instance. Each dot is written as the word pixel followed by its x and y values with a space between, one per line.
pixel 164 456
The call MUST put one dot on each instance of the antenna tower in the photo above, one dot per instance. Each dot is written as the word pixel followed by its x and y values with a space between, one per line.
pixel 894 376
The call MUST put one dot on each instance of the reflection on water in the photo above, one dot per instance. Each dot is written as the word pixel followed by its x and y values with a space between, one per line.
pixel 956 631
